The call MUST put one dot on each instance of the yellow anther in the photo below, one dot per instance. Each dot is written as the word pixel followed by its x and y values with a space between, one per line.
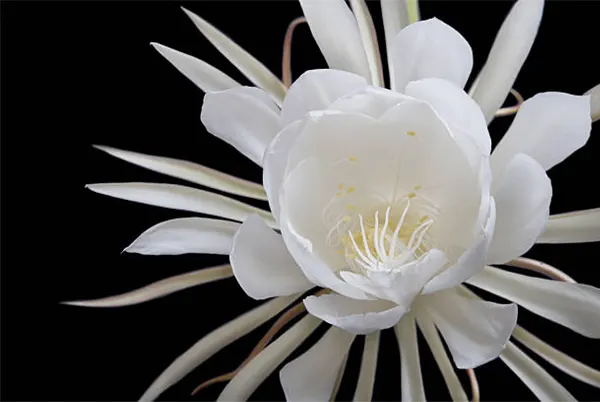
pixel 423 218
pixel 418 187
pixel 350 206
pixel 338 194
pixel 346 219
pixel 411 133
pixel 412 195
pixel 350 190
pixel 340 186
pixel 352 158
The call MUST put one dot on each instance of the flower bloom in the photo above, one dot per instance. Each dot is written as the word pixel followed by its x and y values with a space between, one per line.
pixel 388 199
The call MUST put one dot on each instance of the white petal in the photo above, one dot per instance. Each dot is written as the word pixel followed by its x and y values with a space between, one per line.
pixel 470 262
pixel 557 358
pixel 548 127
pixel 455 107
pixel 430 49
pixel 594 94
pixel 356 316
pixel 573 305
pixel 190 171
pixel 410 366
pixel 186 235
pixel 182 198
pixel 213 343
pixel 244 117
pixel 370 101
pixel 368 367
pixel 205 76
pixel 522 193
pixel 572 227
pixel 254 70
pixel 457 392
pixel 312 376
pixel 507 55
pixel 159 289
pixel 475 331
pixel 395 18
pixel 261 263
pixel 369 39
pixel 241 387
pixel 336 32
pixel 534 376
pixel 316 90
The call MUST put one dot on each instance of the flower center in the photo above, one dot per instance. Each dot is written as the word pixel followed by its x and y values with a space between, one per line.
pixel 386 241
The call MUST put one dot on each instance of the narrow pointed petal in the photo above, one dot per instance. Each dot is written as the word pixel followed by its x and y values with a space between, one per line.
pixel 160 289
pixel 368 367
pixel 186 235
pixel 457 392
pixel 369 40
pixel 410 365
pixel 213 343
pixel 557 358
pixel 573 305
pixel 430 49
pixel 572 227
pixel 335 30
pixel 496 78
pixel 594 94
pixel 241 387
pixel 192 172
pixel 312 376
pixel 548 127
pixel 522 192
pixel 395 18
pixel 544 387
pixel 262 264
pixel 245 117
pixel 182 198
pixel 253 69
pixel 203 75
pixel 475 331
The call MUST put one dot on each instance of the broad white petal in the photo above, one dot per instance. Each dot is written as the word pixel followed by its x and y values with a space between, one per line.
pixel 368 367
pixel 159 289
pixel 241 387
pixel 522 193
pixel 558 359
pixel 205 76
pixel 411 381
pixel 186 235
pixel 261 263
pixel 496 78
pixel 312 376
pixel 183 198
pixel 544 387
pixel 572 227
pixel 475 331
pixel 254 70
pixel 213 343
pixel 395 18
pixel 316 90
pixel 369 39
pixel 457 392
pixel 190 171
pixel 548 127
pixel 370 101
pixel 336 32
pixel 455 107
pixel 470 262
pixel 430 49
pixel 244 117
pixel 573 305
pixel 594 94
pixel 352 315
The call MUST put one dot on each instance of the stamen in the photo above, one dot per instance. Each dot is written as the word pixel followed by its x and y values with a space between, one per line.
pixel 364 237
pixel 357 249
pixel 381 250
pixel 397 230
pixel 376 237
pixel 423 227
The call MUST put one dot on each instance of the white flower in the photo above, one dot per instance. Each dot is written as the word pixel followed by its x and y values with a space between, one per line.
pixel 387 199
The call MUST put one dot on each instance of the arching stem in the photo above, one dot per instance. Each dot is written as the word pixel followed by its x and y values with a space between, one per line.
pixel 286 63
pixel 508 111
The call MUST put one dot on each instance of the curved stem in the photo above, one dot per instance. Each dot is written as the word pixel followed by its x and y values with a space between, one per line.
pixel 540 267
pixel 286 62
pixel 474 385
pixel 507 111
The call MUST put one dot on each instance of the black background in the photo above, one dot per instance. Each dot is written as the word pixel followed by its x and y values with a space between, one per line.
pixel 82 73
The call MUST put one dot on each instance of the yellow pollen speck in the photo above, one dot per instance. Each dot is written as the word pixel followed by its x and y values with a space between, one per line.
pixel 418 187
pixel 338 194
pixel 411 133
pixel 341 186
pixel 346 218
pixel 350 206
pixel 350 190
pixel 352 158
pixel 423 218
pixel 411 195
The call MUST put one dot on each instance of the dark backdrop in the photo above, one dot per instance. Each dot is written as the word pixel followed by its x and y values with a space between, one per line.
pixel 82 73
